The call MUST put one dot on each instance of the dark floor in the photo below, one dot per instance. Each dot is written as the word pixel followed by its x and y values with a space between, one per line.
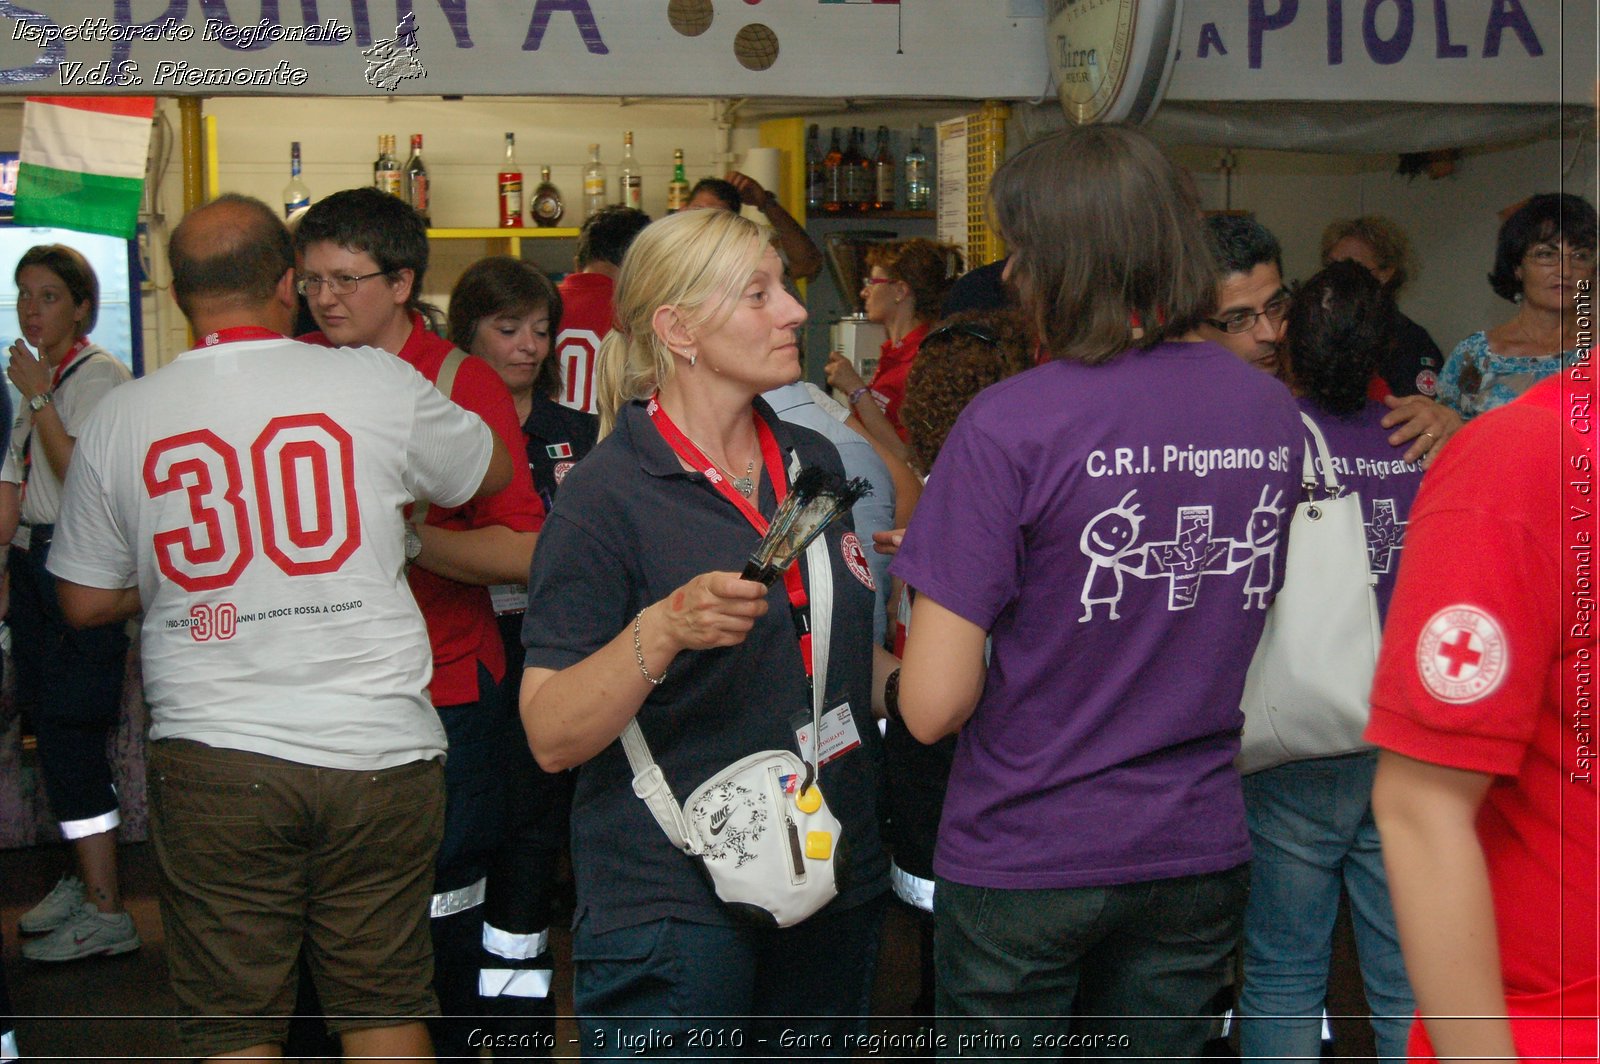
pixel 119 1008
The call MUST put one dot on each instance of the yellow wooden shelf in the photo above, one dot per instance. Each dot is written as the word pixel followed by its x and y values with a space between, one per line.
pixel 497 241
pixel 496 233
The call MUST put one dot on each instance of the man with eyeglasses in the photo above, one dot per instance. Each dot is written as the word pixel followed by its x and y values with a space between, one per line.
pixel 1252 300
pixel 247 499
pixel 363 256
pixel 1252 306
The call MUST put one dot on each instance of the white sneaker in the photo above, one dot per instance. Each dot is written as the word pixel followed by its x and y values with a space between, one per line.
pixel 87 933
pixel 62 901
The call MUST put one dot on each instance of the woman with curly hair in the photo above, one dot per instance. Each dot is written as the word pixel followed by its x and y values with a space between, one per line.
pixel 1544 258
pixel 1311 824
pixel 965 354
pixel 903 293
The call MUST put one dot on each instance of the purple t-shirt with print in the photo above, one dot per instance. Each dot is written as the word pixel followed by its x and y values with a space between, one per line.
pixel 1117 531
pixel 1365 462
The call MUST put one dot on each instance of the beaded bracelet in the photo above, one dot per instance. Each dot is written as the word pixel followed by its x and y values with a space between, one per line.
pixel 891 697
pixel 638 654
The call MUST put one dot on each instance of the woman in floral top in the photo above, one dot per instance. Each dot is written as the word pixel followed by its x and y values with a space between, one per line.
pixel 1544 263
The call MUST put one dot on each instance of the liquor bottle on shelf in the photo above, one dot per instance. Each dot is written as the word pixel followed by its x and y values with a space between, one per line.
pixel 547 207
pixel 816 176
pixel 594 183
pixel 386 172
pixel 833 176
pixel 857 177
pixel 883 174
pixel 919 193
pixel 678 187
pixel 630 183
pixel 416 181
pixel 510 184
pixel 295 193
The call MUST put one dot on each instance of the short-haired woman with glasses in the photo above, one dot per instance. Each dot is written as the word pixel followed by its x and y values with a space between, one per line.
pixel 1544 258
pixel 1111 522
pixel 903 292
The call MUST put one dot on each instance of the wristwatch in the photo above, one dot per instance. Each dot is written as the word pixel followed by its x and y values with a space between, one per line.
pixel 40 401
pixel 413 544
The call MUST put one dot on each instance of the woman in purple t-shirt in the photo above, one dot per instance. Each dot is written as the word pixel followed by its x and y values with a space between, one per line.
pixel 1311 826
pixel 1112 520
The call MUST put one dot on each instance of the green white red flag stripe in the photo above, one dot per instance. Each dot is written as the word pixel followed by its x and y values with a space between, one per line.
pixel 82 162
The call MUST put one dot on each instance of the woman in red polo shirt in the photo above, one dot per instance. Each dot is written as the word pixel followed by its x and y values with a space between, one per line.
pixel 903 293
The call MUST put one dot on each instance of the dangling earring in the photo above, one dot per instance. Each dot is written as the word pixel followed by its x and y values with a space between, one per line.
pixel 1517 298
pixel 694 357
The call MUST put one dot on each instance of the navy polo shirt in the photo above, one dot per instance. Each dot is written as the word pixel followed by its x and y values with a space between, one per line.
pixel 557 437
pixel 630 526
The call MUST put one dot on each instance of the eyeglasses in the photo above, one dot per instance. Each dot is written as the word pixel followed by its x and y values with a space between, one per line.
pixel 1276 309
pixel 879 280
pixel 963 328
pixel 1550 255
pixel 341 285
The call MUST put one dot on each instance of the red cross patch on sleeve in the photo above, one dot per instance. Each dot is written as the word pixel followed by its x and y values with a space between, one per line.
pixel 1462 654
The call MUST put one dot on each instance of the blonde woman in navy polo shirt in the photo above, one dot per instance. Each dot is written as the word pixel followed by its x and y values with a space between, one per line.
pixel 636 611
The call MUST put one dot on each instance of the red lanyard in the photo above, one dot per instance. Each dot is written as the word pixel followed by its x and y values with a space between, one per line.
pixel 238 334
pixel 772 459
pixel 71 356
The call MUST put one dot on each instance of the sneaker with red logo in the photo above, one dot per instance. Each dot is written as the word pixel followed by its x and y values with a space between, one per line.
pixel 57 906
pixel 87 933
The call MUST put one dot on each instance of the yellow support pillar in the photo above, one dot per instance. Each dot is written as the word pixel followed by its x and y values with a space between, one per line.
pixel 194 154
pixel 788 135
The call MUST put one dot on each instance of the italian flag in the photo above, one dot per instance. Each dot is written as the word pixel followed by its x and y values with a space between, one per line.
pixel 83 162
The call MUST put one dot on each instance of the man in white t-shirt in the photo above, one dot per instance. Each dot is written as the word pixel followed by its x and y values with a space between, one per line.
pixel 248 498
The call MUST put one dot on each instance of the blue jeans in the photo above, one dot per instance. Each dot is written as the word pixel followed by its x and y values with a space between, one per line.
pixel 684 990
pixel 1119 971
pixel 1312 831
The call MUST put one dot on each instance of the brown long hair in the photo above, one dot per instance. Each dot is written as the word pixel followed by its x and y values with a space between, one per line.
pixel 1106 236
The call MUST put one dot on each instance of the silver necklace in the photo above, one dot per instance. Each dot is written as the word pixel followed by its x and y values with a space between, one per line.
pixel 746 484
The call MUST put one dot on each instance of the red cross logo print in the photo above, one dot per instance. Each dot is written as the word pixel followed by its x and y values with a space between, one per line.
pixel 1462 654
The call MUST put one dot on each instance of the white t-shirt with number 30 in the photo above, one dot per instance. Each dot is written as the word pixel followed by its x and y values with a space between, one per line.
pixel 253 491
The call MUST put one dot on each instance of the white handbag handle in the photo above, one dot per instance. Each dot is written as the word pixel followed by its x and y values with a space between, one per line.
pixel 1319 446
pixel 650 783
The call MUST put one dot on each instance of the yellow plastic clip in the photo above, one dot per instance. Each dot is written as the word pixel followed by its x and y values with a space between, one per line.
pixel 808 800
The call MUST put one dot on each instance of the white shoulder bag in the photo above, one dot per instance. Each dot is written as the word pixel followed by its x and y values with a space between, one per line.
pixel 765 838
pixel 1306 694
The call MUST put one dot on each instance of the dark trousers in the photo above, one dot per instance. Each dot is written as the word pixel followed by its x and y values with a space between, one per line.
pixel 474 825
pixel 1125 971
pixel 514 996
pixel 69 682
pixel 678 989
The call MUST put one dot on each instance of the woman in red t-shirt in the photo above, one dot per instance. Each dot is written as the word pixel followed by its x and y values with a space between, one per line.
pixel 903 293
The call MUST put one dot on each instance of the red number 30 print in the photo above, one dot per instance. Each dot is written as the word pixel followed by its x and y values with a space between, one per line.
pixel 303 469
